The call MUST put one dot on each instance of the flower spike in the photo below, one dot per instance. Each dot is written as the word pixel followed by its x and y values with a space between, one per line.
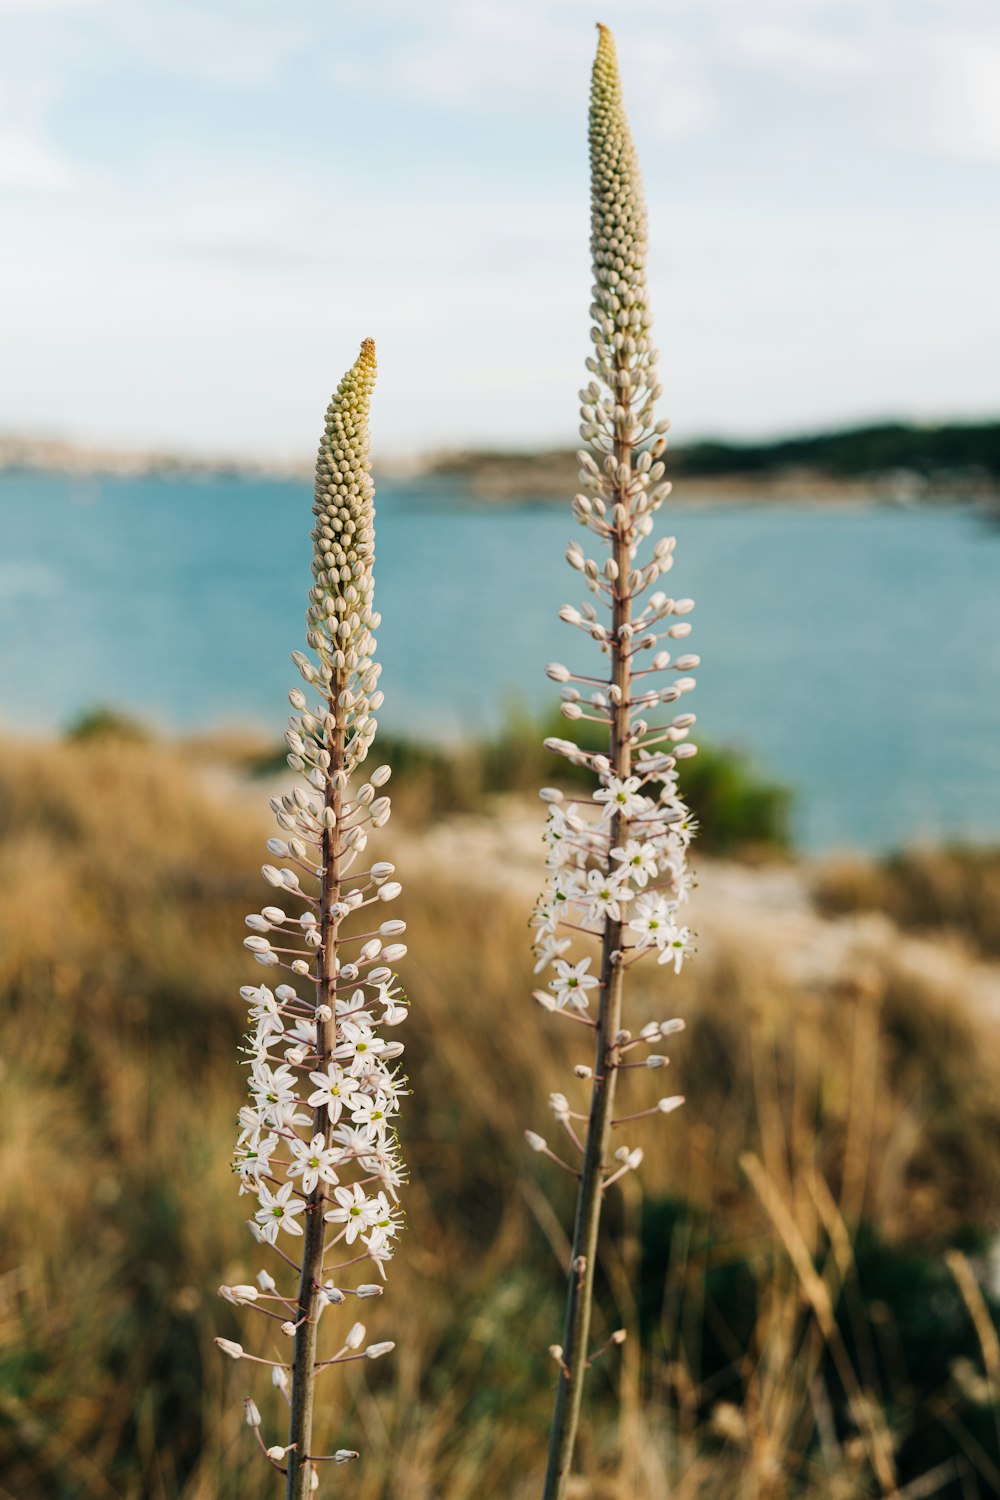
pixel 317 1147
pixel 617 872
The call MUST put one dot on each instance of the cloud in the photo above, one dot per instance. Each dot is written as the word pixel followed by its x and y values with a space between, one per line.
pixel 28 162
pixel 206 206
pixel 527 59
pixel 919 77
pixel 797 52
pixel 34 8
pixel 946 92
pixel 238 43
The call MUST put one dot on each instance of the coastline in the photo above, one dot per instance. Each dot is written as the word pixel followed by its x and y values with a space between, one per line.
pixel 548 476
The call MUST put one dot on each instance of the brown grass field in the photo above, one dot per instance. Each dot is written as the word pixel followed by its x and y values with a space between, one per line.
pixel 800 1263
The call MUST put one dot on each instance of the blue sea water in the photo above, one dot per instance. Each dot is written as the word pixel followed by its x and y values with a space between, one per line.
pixel 855 653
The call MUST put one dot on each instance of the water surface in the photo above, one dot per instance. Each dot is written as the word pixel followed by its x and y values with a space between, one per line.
pixel 854 652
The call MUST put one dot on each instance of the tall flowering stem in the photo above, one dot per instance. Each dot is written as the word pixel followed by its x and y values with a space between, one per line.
pixel 617 874
pixel 317 1146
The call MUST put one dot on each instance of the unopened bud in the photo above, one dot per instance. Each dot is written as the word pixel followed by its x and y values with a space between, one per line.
pixel 238 1295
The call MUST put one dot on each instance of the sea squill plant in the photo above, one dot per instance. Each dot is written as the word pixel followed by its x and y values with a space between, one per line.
pixel 317 1146
pixel 617 875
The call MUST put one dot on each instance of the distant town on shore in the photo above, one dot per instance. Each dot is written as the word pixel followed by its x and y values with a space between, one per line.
pixel 891 461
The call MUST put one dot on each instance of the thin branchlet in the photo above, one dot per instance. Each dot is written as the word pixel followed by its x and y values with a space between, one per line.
pixel 317 1144
pixel 617 872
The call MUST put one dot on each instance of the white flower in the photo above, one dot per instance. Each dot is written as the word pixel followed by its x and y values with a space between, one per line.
pixel 395 1010
pixel 255 1161
pixel 567 887
pixel 314 1162
pixel 607 895
pixel 332 1091
pixel 621 796
pixel 676 948
pixel 273 1089
pixel 548 948
pixel 651 922
pixel 386 1225
pixel 373 1111
pixel 262 1002
pixel 372 1156
pixel 638 857
pixel 278 1211
pixel 354 1210
pixel 572 982
pixel 359 1046
pixel 544 919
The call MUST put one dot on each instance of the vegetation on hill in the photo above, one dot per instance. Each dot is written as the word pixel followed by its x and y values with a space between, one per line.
pixel 927 451
pixel 947 460
pixel 954 890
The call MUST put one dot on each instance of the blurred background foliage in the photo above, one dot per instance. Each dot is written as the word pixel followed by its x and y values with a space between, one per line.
pixel 738 809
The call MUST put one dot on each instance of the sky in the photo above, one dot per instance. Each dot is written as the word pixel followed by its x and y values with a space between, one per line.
pixel 205 207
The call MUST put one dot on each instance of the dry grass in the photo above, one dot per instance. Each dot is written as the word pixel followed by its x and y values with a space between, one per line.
pixel 954 890
pixel 795 1328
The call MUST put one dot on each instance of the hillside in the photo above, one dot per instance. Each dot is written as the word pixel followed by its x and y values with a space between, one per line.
pixel 890 461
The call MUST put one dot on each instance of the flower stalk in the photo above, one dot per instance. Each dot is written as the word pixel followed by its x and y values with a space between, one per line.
pixel 317 1144
pixel 617 869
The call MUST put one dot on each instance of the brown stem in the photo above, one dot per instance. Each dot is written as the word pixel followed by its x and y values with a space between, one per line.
pixel 580 1288
pixel 304 1357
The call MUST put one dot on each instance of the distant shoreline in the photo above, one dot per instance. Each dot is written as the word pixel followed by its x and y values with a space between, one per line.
pixel 892 463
